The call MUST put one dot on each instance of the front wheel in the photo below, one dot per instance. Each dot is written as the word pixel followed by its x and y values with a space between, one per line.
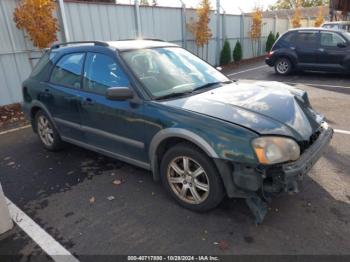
pixel 283 66
pixel 191 178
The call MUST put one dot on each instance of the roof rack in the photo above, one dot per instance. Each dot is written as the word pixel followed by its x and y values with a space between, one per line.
pixel 150 39
pixel 98 43
pixel 153 39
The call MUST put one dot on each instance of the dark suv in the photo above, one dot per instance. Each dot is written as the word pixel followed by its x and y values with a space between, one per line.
pixel 314 49
pixel 157 106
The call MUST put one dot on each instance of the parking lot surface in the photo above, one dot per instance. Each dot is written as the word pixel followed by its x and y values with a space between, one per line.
pixel 94 205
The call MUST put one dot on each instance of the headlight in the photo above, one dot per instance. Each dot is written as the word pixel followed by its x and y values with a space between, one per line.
pixel 273 149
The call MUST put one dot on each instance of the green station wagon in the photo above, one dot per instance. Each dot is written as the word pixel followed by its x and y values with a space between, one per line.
pixel 155 105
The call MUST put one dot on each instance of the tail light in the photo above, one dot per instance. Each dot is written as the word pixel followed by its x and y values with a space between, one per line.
pixel 269 54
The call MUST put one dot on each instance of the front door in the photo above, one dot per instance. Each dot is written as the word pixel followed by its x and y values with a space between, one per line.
pixel 114 126
pixel 332 50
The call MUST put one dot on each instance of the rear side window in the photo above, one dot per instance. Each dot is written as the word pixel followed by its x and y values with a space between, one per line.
pixel 307 39
pixel 288 38
pixel 330 39
pixel 102 72
pixel 42 69
pixel 285 40
pixel 67 72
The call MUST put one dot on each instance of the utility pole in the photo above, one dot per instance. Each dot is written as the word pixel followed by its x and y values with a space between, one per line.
pixel 64 21
pixel 138 19
pixel 218 46
pixel 5 220
pixel 184 22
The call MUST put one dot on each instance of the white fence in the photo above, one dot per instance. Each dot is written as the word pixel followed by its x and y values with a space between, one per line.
pixel 97 21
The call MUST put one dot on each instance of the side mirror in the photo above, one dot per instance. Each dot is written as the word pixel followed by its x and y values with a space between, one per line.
pixel 219 68
pixel 119 93
pixel 341 45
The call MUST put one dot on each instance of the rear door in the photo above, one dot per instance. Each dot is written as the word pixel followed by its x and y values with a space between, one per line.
pixel 64 89
pixel 116 127
pixel 306 47
pixel 332 49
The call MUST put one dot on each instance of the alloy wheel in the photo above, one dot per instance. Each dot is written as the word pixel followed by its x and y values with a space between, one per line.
pixel 188 180
pixel 45 131
pixel 282 67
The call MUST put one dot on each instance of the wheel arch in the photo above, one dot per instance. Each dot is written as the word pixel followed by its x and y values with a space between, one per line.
pixel 292 58
pixel 163 138
pixel 35 107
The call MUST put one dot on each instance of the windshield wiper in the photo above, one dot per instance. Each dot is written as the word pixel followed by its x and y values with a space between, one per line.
pixel 207 85
pixel 178 94
pixel 172 95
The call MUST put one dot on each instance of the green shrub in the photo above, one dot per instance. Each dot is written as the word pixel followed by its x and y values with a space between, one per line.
pixel 277 36
pixel 270 41
pixel 225 56
pixel 237 52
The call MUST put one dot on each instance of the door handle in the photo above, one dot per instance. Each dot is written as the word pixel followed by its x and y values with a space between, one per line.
pixel 321 49
pixel 88 101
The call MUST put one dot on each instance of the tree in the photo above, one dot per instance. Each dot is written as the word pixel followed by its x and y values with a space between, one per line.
pixel 154 2
pixel 36 18
pixel 237 52
pixel 144 2
pixel 225 56
pixel 200 28
pixel 277 36
pixel 270 41
pixel 292 4
pixel 255 30
pixel 319 19
pixel 296 20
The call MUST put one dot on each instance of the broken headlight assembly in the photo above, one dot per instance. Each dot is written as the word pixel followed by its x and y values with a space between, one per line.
pixel 273 149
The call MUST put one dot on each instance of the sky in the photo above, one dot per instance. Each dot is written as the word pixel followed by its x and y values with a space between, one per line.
pixel 230 6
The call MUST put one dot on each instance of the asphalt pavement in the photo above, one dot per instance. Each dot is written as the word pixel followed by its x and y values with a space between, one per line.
pixel 76 197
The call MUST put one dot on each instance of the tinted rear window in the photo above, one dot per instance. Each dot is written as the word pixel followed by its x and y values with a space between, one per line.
pixel 288 38
pixel 307 39
pixel 42 69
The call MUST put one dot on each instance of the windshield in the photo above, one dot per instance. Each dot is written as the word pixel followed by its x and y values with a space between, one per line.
pixel 173 70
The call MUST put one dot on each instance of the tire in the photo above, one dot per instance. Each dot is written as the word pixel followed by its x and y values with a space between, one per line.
pixel 47 132
pixel 283 66
pixel 199 191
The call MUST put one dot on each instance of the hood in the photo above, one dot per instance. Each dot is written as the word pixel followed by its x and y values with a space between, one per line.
pixel 269 108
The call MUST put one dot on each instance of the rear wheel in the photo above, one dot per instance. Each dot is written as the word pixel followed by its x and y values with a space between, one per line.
pixel 47 132
pixel 283 66
pixel 191 178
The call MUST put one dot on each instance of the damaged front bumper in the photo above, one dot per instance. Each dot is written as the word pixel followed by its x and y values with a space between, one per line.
pixel 290 174
pixel 249 182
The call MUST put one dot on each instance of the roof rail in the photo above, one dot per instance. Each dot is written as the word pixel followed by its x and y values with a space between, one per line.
pixel 150 39
pixel 98 43
pixel 153 39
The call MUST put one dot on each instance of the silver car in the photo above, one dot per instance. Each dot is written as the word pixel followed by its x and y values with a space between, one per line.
pixel 340 25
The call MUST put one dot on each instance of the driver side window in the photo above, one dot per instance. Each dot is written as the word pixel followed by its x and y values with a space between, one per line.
pixel 102 72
